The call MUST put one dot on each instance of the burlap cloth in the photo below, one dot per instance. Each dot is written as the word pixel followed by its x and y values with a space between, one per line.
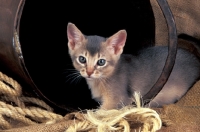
pixel 185 114
pixel 187 17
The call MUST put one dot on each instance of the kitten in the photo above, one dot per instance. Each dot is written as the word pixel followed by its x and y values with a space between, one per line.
pixel 113 77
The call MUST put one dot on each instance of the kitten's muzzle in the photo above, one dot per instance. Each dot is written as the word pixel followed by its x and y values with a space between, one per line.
pixel 89 73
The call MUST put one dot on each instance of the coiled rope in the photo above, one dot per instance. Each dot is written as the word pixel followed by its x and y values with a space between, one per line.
pixel 12 105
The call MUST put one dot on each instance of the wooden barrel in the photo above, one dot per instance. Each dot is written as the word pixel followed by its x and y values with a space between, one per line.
pixel 40 59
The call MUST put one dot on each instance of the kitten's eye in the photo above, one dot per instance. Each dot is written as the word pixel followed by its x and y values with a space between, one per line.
pixel 101 62
pixel 82 59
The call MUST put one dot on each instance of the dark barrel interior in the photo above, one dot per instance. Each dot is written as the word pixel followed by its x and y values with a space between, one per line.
pixel 44 40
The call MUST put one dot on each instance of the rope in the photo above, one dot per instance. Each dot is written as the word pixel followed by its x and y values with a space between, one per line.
pixel 12 93
pixel 119 120
pixel 15 90
pixel 14 115
pixel 37 102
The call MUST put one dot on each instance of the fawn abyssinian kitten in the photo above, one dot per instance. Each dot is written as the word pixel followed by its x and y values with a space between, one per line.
pixel 113 77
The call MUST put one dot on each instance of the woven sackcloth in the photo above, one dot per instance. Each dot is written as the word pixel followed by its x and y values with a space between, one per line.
pixel 187 17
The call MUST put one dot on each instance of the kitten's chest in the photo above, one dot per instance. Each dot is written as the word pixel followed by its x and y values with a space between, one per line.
pixel 96 89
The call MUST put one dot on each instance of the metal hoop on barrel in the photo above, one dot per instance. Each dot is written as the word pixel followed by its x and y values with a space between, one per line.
pixel 172 50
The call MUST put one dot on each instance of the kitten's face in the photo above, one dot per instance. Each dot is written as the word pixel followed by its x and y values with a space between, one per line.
pixel 97 65
pixel 95 57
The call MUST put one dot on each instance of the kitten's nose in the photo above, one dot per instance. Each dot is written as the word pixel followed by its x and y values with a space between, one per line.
pixel 89 73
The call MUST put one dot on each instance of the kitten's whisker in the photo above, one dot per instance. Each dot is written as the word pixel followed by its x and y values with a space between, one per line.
pixel 75 78
pixel 72 74
pixel 79 79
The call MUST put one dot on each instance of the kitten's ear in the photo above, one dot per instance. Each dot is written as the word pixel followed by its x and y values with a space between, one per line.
pixel 74 36
pixel 116 42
